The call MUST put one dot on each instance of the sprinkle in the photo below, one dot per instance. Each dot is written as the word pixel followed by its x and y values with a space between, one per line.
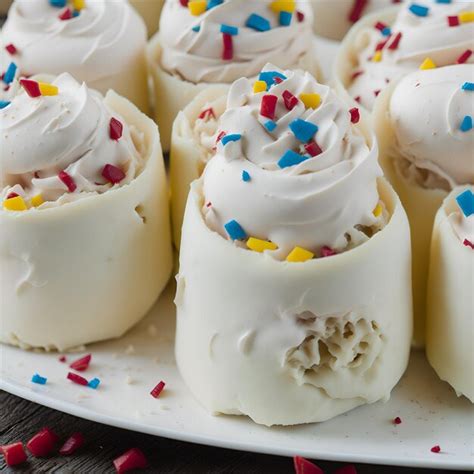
pixel 113 174
pixel 37 200
pixel 270 125
pixel 82 363
pixel 206 114
pixel 72 444
pixel 132 459
pixel 464 56
pixel 259 86
pixel 227 47
pixel 465 201
pixel 15 204
pixel 468 86
pixel 395 42
pixel 466 124
pixel 380 26
pixel 443 1
pixel 184 3
pixel 419 10
pixel 327 251
pixel 303 130
pixel 270 77
pixel 468 243
pixel 11 48
pixel 42 443
pixel 234 137
pixel 290 100
pixel 303 466
pixel 386 31
pixel 299 254
pixel 94 383
pixel 213 3
pixel 196 28
pixel 76 378
pixel 10 73
pixel 220 136
pixel 356 74
pixel 48 89
pixel 31 87
pixel 377 92
pixel 285 18
pixel 356 11
pixel 355 115
pixel 268 106
pixel 397 421
pixel 436 449
pixel 235 231
pixel 283 5
pixel 115 129
pixel 291 158
pixel 4 103
pixel 453 21
pixel 377 212
pixel 377 57
pixel 62 358
pixel 38 379
pixel 79 4
pixel 12 195
pixel 299 16
pixel 466 17
pixel 230 30
pixel 58 3
pixel 245 176
pixel 428 63
pixel 311 101
pixel 155 393
pixel 14 453
pixel 197 7
pixel 257 22
pixel 68 181
pixel 313 149
pixel 258 245
pixel 65 15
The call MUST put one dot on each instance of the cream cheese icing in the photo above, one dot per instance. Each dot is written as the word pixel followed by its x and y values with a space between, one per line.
pixel 421 30
pixel 193 44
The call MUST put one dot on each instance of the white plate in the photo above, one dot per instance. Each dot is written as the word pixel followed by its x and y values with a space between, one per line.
pixel 430 411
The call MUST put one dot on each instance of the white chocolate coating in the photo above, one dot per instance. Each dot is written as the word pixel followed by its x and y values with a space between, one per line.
pixel 150 11
pixel 90 269
pixel 450 323
pixel 292 343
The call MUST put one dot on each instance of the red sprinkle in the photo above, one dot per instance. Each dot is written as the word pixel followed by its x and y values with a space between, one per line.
pixel 82 363
pixel 13 453
pixel 468 243
pixel 12 195
pixel 76 378
pixel 228 47
pixel 132 459
pixel 380 26
pixel 68 181
pixel 397 421
pixel 464 56
pixel 299 16
pixel 382 44
pixel 220 136
pixel 436 449
pixel 42 443
pixel 115 129
pixel 184 3
pixel 207 114
pixel 268 106
pixel 349 469
pixel 453 21
pixel 66 14
pixel 377 92
pixel 395 42
pixel 303 466
pixel 290 100
pixel 355 115
pixel 155 393
pixel 327 251
pixel 31 87
pixel 11 48
pixel 209 204
pixel 313 149
pixel 62 358
pixel 113 174
pixel 357 99
pixel 357 10
pixel 356 74
pixel 72 444
pixel 277 80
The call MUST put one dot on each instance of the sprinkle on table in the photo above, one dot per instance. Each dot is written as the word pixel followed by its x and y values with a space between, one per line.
pixel 72 444
pixel 311 101
pixel 132 459
pixel 291 158
pixel 428 63
pixel 465 202
pixel 155 393
pixel 419 10
pixel 94 383
pixel 303 130
pixel 303 466
pixel 397 421
pixel 42 443
pixel 115 129
pixel 38 379
pixel 14 453
pixel 259 245
pixel 82 363
pixel 76 379
pixel 299 255
pixel 436 449
pixel 235 230
pixel 466 124
pixel 258 23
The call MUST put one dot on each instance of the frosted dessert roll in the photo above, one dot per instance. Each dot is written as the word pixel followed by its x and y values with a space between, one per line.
pixel 85 248
pixel 388 45
pixel 100 42
pixel 450 323
pixel 292 291
pixel 150 11
pixel 424 128
pixel 334 19
pixel 203 44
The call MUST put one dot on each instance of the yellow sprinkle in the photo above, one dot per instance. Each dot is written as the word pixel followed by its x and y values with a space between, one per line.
pixel 260 245
pixel 377 57
pixel 466 17
pixel 79 4
pixel 197 7
pixel 15 204
pixel 37 200
pixel 378 210
pixel 299 254
pixel 428 63
pixel 283 5
pixel 47 89
pixel 311 101
pixel 259 86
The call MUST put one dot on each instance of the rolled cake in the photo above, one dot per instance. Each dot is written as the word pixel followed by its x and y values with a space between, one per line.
pixel 425 151
pixel 198 48
pixel 264 328
pixel 85 248
pixel 150 11
pixel 387 45
pixel 450 324
pixel 101 42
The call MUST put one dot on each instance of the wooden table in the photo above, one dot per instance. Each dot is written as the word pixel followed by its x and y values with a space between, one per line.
pixel 20 419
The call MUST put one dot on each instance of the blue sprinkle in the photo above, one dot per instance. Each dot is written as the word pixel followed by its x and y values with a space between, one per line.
pixel 269 77
pixel 291 158
pixel 466 124
pixel 4 103
pixel 75 13
pixel 419 10
pixel 285 18
pixel 303 130
pixel 38 379
pixel 386 31
pixel 443 1
pixel 58 3
pixel 10 73
pixel 245 176
pixel 257 22
pixel 196 28
pixel 468 86
pixel 466 202
pixel 270 125
pixel 235 231
pixel 213 3
pixel 235 137
pixel 94 383
pixel 230 30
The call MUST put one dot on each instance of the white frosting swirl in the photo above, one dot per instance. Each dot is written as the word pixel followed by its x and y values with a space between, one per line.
pixel 40 137
pixel 197 55
pixel 422 37
pixel 426 110
pixel 92 47
pixel 322 201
